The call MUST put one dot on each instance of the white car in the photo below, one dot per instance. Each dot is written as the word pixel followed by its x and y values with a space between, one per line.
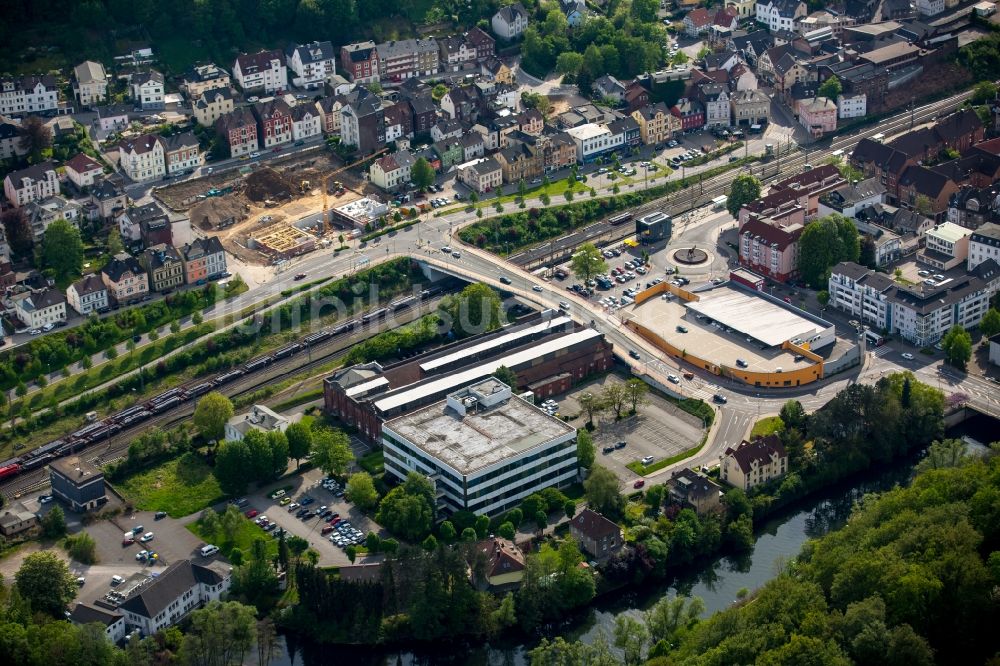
pixel 254 155
pixel 253 99
pixel 908 356
pixel 674 379
pixel 147 537
pixel 647 460
pixel 536 288
pixel 35 331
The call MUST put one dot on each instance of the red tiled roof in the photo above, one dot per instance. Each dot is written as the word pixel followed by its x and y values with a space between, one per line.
pixel 82 163
pixel 594 525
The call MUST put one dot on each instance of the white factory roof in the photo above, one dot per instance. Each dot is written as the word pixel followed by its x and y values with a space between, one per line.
pixel 466 377
pixel 480 437
pixel 950 232
pixel 367 386
pixel 551 325
pixel 759 318
pixel 587 131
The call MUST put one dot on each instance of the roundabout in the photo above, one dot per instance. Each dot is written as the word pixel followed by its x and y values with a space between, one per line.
pixel 691 256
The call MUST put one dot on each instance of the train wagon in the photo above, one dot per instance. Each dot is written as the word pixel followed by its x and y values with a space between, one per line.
pixel 9 469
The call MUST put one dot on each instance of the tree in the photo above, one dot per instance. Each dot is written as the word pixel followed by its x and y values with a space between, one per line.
pixel 62 251
pixel 671 616
pixel 211 415
pixel 447 531
pixel 831 89
pixel 439 91
pixel 536 101
pixel 468 535
pixel 20 237
pixel 82 548
pixel 569 508
pixel 630 637
pixel 923 205
pixel 703 53
pixel 984 92
pixel 408 509
pixel 54 523
pixel 585 450
pixel 477 309
pixel 507 376
pixel 615 395
pixel 635 392
pixel 45 583
pixel 482 526
pixel 507 531
pixel 591 403
pixel 220 634
pixel 825 242
pixel 957 344
pixel 422 174
pixel 361 490
pixel 231 462
pixel 299 441
pixel 115 245
pixel 588 262
pixel 34 137
pixel 601 490
pixel 867 257
pixel 331 451
pixel 229 522
pixel 569 63
pixel 744 189
pixel 990 324
pixel 793 415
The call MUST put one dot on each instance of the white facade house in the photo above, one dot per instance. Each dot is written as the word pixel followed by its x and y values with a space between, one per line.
pixel 260 418
pixel 113 621
pixel 35 183
pixel 38 309
pixel 311 63
pixel 930 7
pixel 510 22
pixel 88 295
pixel 82 170
pixel 591 140
pixel 148 90
pixel 780 15
pixel 484 449
pixel 90 83
pixel 264 71
pixel 306 122
pixel 28 94
pixel 852 106
pixel 750 464
pixel 181 588
pixel 112 118
pixel 143 158
pixel 945 246
pixel 984 243
pixel 392 171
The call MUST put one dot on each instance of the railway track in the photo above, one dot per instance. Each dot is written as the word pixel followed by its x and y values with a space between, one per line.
pixel 678 203
pixel 115 447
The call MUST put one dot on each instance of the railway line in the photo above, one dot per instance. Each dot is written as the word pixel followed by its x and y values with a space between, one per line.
pixel 678 203
pixel 107 440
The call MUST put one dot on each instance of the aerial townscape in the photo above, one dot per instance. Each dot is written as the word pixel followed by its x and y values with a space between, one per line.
pixel 547 332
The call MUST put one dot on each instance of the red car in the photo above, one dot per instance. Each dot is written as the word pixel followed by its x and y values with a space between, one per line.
pixel 639 484
pixel 326 530
pixel 251 513
pixel 788 299
pixel 300 276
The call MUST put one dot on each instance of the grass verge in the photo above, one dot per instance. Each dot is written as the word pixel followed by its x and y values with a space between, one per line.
pixel 246 534
pixel 299 399
pixel 767 426
pixel 643 470
pixel 180 487
pixel 373 463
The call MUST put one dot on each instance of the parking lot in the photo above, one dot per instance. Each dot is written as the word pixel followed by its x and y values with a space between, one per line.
pixel 659 430
pixel 309 485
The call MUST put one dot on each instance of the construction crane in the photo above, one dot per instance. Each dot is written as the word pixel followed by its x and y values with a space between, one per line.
pixel 326 185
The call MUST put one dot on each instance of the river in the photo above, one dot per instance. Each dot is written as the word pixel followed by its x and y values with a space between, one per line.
pixel 717 581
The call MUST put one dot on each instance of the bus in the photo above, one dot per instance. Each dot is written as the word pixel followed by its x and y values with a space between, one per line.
pixel 756 129
pixel 873 339
pixel 880 137
pixel 619 219
pixel 719 202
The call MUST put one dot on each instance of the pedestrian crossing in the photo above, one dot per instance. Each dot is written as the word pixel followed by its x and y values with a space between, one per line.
pixel 881 352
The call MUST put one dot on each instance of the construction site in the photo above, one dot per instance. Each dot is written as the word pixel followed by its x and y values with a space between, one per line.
pixel 253 210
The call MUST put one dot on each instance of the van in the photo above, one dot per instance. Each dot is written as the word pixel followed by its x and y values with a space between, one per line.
pixel 209 550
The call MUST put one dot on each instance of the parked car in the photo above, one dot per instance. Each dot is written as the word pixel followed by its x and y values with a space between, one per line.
pixel 647 459
pixel 634 354
pixel 908 356
pixel 639 484
pixel 159 515
pixel 147 537
pixel 719 398
pixel 251 513
pixel 621 445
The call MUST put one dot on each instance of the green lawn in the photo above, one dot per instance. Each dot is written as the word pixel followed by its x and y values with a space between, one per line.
pixel 180 487
pixel 245 536
pixel 766 426
pixel 373 463
pixel 643 470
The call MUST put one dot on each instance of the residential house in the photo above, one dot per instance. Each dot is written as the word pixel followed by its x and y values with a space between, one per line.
pixel 204 259
pixel 716 102
pixel 722 60
pixel 636 96
pixel 449 152
pixel 596 535
pixel 181 152
pixel 362 121
pixel 504 565
pixel 984 243
pixel 33 183
pixel 806 188
pixel 202 78
pixel 90 83
pixel 886 163
pixel 851 198
pixel 743 8
pixel 852 106
pixel 424 113
pixel 655 124
pixel 818 116
pixel 274 122
pixel 560 151
pixel 726 18
pixel 179 589
pixel 311 63
pixel 148 225
pixel 919 185
pixel 262 72
pixel 398 121
pixel 742 78
pixel 495 70
pixel 750 107
pixel 769 246
pixel 338 85
pixel 447 129
pixel 260 418
pixel 16 519
pixel 107 196
pixel 625 132
pixel 610 87
pixel 456 53
pixel 113 118
pixel 164 266
pixel 306 122
pixel 88 294
pixel 974 207
pixel 521 162
pixel 42 213
pixel 530 122
pixel 40 308
pixel 697 21
pixel 946 246
pixel 592 140
pixel 888 245
pixel 10 140
pixel 510 22
pixel 575 11
pixel 750 464
pixel 112 621
pixel 780 15
pixel 239 129
pixel 481 175
pixel 125 278
pixel 360 61
pixel 147 90
pixel 212 104
pixel 142 158
pixel 28 94
pixel 329 112
pixel 392 171
pixel 82 170
pixel 690 112
pixel 472 146
pixel 930 7
pixel 691 489
pixel 461 103
pixel 406 58
pixel 481 42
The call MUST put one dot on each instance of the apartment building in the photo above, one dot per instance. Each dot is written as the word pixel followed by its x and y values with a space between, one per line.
pixel 164 266
pixel 274 123
pixel 181 153
pixel 984 243
pixel 592 140
pixel 88 294
pixel 212 104
pixel 33 183
pixel 204 259
pixel 311 63
pixel 750 464
pixel 482 175
pixel 239 129
pixel 392 171
pixel 360 61
pixel 90 83
pixel 402 59
pixel 125 278
pixel 38 309
pixel 147 89
pixel 83 170
pixel 202 78
pixel 261 72
pixel 945 246
pixel 143 158
pixel 28 94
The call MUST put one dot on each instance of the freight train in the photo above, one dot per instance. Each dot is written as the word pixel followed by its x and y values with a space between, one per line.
pixel 103 429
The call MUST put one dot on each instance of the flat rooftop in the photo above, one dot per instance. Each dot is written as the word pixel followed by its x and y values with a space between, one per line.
pixel 758 318
pixel 550 325
pixel 708 341
pixel 480 438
